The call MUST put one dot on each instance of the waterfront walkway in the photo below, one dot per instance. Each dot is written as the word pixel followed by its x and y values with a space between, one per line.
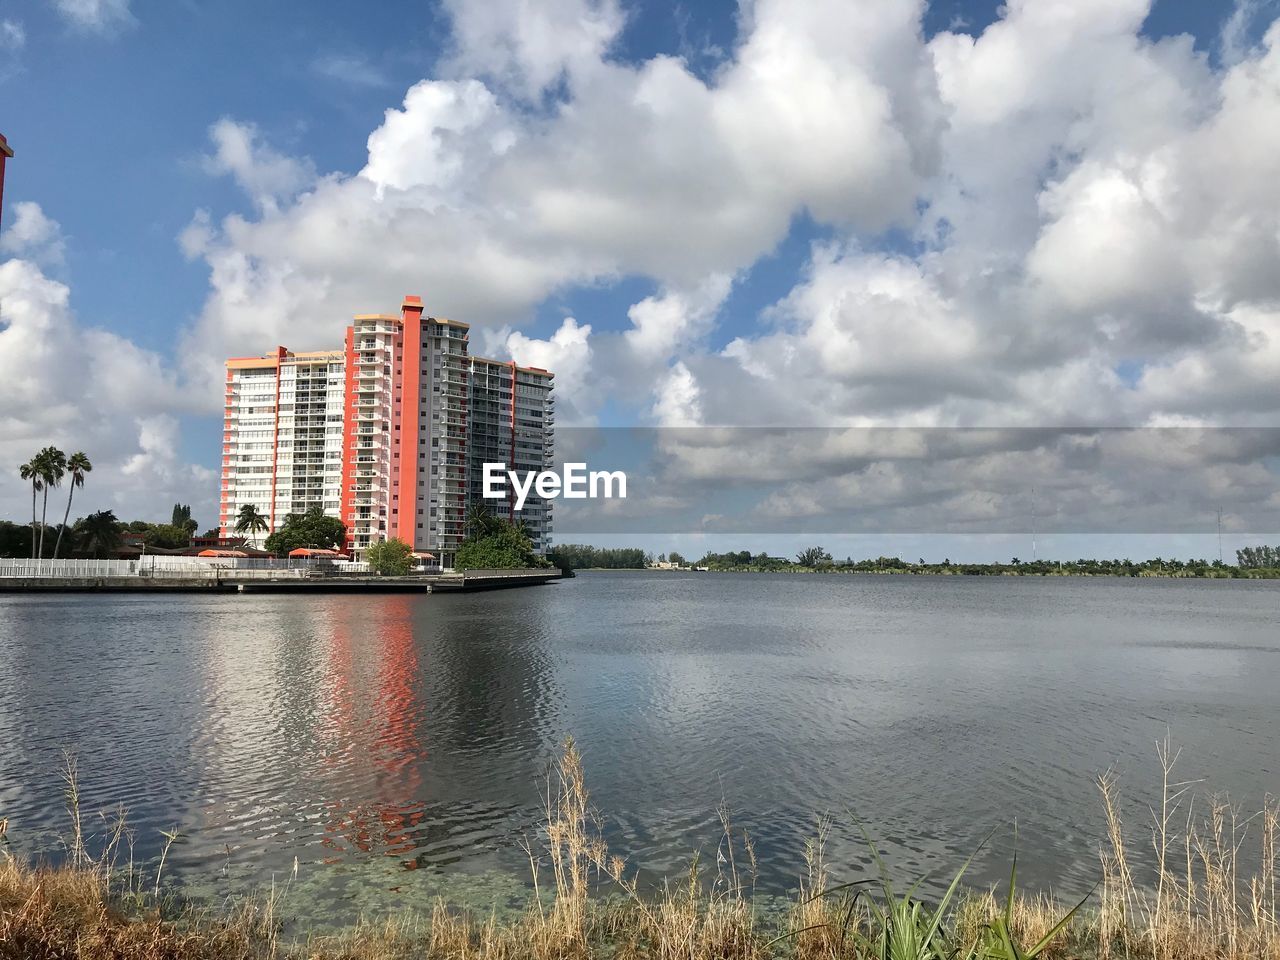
pixel 120 576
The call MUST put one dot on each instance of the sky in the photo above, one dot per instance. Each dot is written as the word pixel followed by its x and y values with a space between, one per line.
pixel 845 214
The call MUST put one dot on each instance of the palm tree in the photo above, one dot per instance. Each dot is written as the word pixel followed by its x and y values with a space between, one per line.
pixel 250 521
pixel 31 471
pixel 53 466
pixel 77 465
pixel 99 533
pixel 479 522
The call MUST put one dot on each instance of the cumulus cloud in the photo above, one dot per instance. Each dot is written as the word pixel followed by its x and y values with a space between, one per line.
pixel 266 176
pixel 32 234
pixel 95 16
pixel 567 354
pixel 83 388
pixel 1100 246
pixel 642 169
pixel 678 399
pixel 662 324
pixel 529 46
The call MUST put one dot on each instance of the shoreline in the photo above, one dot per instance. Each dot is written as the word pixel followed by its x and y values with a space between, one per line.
pixel 958 572
pixel 587 903
pixel 232 583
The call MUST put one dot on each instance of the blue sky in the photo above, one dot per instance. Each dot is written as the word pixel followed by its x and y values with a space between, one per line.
pixel 111 123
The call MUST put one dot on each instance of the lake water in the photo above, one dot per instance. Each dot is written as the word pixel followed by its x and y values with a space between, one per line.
pixel 377 751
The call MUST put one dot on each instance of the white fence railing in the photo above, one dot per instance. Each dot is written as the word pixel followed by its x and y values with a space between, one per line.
pixel 237 568
pixel 168 567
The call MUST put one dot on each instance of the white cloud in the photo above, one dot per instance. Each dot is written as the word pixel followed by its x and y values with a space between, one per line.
pixel 664 323
pixel 30 233
pixel 95 16
pixel 353 70
pixel 1086 227
pixel 12 35
pixel 1103 201
pixel 82 388
pixel 489 207
pixel 1234 43
pixel 567 354
pixel 677 400
pixel 268 177
pixel 529 45
pixel 443 131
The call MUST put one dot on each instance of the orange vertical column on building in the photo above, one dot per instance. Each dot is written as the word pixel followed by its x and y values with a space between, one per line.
pixel 347 510
pixel 511 501
pixel 410 406
pixel 224 496
pixel 281 353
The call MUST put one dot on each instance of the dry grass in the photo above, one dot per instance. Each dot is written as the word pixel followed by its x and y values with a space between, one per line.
pixel 589 904
pixel 1201 903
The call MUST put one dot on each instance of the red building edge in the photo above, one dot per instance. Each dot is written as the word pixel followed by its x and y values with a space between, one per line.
pixel 6 152
pixel 347 507
pixel 404 484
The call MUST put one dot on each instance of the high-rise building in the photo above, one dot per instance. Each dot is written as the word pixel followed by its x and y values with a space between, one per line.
pixel 512 422
pixel 371 358
pixel 409 420
pixel 282 435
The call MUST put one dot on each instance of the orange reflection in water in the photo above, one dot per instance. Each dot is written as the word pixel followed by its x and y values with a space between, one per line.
pixel 373 673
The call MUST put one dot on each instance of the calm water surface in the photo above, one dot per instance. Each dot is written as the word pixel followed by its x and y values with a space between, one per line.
pixel 396 747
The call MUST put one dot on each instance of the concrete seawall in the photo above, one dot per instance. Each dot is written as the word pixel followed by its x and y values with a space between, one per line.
pixel 230 583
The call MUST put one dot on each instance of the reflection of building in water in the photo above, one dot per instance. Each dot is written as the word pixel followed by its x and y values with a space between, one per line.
pixel 418 728
pixel 435 727
pixel 371 736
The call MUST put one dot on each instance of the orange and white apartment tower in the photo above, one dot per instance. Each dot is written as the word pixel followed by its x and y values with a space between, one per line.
pixel 282 435
pixel 391 437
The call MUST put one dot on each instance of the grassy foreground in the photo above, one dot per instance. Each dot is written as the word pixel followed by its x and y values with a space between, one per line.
pixel 587 903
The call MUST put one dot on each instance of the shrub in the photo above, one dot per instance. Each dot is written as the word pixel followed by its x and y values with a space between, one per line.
pixel 390 558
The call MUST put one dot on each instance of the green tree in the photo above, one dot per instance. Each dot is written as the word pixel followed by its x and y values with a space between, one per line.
pixel 480 521
pixel 99 533
pixel 676 558
pixel 250 521
pixel 15 539
pixel 166 536
pixel 813 558
pixel 31 471
pixel 313 529
pixel 53 467
pixel 390 558
pixel 182 519
pixel 77 466
pixel 508 548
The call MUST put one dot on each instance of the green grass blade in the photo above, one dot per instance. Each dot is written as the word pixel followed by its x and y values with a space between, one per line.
pixel 951 890
pixel 1044 941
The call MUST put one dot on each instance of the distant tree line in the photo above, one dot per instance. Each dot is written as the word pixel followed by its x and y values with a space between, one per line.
pixel 1258 558
pixel 580 556
pixel 1252 561
pixel 99 535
